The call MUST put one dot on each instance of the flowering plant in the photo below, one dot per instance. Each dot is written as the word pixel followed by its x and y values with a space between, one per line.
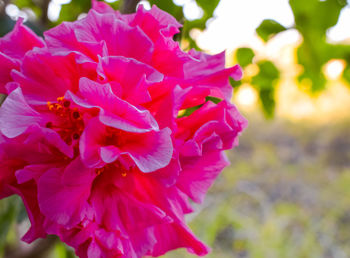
pixel 97 137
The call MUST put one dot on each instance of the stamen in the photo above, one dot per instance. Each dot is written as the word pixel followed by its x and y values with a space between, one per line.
pixel 49 125
pixel 75 114
pixel 69 124
pixel 66 103
pixel 100 170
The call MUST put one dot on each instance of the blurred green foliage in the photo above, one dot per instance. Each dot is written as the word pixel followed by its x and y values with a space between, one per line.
pixel 268 28
pixel 312 18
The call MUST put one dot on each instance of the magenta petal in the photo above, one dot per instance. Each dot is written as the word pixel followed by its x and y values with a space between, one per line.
pixel 130 42
pixel 31 172
pixel 199 173
pixel 28 193
pixel 19 41
pixel 63 41
pixel 118 211
pixel 130 73
pixel 89 144
pixel 101 7
pixel 150 151
pixel 176 235
pixel 41 69
pixel 114 111
pixel 155 23
pixel 63 195
pixel 109 153
pixel 6 66
pixel 17 114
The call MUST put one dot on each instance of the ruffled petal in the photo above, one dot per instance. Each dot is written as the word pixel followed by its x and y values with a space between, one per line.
pixel 63 195
pixel 19 116
pixel 19 41
pixel 114 111
pixel 199 173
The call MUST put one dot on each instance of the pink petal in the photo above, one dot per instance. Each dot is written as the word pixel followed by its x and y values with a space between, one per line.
pixel 130 42
pixel 19 41
pixel 114 111
pixel 119 211
pixel 62 40
pixel 130 74
pixel 19 116
pixel 150 151
pixel 199 173
pixel 177 235
pixel 6 66
pixel 101 7
pixel 41 69
pixel 28 193
pixel 63 195
pixel 155 23
pixel 89 144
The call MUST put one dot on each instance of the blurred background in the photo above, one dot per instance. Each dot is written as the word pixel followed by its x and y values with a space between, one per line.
pixel 287 192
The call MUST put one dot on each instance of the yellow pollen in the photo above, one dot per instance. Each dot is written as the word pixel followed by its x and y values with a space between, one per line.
pixel 60 99
pixel 99 171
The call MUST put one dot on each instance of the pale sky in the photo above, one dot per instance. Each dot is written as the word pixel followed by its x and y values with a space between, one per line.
pixel 234 21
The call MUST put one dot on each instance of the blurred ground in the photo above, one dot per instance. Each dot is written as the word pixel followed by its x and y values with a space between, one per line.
pixel 286 194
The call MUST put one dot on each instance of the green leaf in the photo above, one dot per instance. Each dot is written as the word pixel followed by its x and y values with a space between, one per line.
pixel 234 83
pixel 313 55
pixel 312 19
pixel 265 82
pixel 213 99
pixel 268 102
pixel 269 28
pixel 244 56
pixel 8 212
pixel 208 6
pixel 315 16
pixel 346 74
pixel 71 11
pixel 189 111
pixel 267 76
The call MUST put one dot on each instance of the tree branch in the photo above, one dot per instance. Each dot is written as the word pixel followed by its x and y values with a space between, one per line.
pixel 3 4
pixel 44 15
pixel 129 6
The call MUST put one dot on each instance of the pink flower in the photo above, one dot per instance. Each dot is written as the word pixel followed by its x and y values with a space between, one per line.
pixel 93 136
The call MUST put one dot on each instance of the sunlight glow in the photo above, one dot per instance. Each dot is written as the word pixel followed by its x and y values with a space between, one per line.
pixel 145 4
pixel 246 96
pixel 340 32
pixel 192 11
pixel 14 12
pixel 334 68
pixel 53 12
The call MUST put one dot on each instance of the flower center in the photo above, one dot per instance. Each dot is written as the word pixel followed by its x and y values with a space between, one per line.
pixel 116 166
pixel 114 137
pixel 69 124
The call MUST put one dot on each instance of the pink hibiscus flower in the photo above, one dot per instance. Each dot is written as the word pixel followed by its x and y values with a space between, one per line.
pixel 95 136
